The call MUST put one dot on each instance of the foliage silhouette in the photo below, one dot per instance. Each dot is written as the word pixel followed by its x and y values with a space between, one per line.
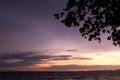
pixel 93 17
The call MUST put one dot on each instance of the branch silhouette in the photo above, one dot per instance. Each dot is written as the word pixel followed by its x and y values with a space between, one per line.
pixel 93 17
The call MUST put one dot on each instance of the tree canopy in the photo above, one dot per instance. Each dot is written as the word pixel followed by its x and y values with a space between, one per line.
pixel 93 18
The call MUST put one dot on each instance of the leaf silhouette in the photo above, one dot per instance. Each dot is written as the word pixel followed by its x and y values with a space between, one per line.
pixel 94 17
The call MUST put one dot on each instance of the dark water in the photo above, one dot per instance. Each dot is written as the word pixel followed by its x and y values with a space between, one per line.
pixel 89 75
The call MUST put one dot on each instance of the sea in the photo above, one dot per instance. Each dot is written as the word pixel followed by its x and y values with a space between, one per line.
pixel 60 75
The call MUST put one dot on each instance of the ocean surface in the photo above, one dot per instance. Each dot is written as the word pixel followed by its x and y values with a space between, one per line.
pixel 60 75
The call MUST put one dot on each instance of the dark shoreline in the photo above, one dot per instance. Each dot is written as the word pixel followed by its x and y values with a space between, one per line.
pixel 59 75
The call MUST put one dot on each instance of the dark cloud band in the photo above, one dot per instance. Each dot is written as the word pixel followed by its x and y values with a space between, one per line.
pixel 31 58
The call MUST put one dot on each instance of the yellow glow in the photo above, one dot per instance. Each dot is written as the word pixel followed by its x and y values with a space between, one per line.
pixel 69 62
pixel 110 58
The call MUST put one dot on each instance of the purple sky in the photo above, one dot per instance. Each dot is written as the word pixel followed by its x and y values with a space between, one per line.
pixel 29 26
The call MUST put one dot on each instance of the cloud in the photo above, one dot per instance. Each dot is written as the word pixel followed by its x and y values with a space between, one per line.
pixel 21 58
pixel 83 58
pixel 29 58
pixel 72 50
pixel 62 57
pixel 32 58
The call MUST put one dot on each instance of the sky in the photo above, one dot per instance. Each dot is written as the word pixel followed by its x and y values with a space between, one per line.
pixel 32 40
